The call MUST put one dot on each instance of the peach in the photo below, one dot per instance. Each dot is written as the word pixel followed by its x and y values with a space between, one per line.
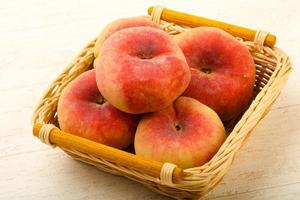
pixel 83 111
pixel 187 133
pixel 118 25
pixel 141 70
pixel 223 71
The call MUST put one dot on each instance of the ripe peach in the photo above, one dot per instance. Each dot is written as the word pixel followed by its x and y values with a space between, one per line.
pixel 141 70
pixel 223 71
pixel 187 133
pixel 84 112
pixel 118 25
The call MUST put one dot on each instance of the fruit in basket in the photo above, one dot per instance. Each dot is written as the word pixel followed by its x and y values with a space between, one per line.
pixel 141 70
pixel 223 70
pixel 187 133
pixel 118 25
pixel 84 112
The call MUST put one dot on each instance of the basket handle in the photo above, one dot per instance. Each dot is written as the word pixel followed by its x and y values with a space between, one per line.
pixel 195 21
pixel 146 166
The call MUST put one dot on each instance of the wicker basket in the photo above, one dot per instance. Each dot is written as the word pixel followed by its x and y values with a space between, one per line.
pixel 272 71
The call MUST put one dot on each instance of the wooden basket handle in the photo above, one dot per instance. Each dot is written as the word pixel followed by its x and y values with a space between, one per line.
pixel 196 21
pixel 123 158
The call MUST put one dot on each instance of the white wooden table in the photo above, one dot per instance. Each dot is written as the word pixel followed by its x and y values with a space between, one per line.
pixel 39 38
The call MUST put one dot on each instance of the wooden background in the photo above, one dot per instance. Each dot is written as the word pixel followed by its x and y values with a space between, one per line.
pixel 39 38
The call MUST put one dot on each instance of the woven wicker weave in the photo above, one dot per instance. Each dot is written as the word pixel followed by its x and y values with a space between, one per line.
pixel 272 70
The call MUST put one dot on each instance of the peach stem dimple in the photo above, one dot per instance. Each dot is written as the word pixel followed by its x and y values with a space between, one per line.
pixel 177 126
pixel 100 101
pixel 145 56
pixel 206 70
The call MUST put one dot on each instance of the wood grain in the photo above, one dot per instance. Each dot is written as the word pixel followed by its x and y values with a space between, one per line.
pixel 69 141
pixel 37 41
pixel 196 21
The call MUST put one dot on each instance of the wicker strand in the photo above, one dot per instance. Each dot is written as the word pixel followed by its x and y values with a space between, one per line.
pixel 166 174
pixel 171 28
pixel 260 38
pixel 156 14
pixel 44 134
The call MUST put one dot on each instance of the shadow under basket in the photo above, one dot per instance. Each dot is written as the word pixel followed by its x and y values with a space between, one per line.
pixel 272 70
